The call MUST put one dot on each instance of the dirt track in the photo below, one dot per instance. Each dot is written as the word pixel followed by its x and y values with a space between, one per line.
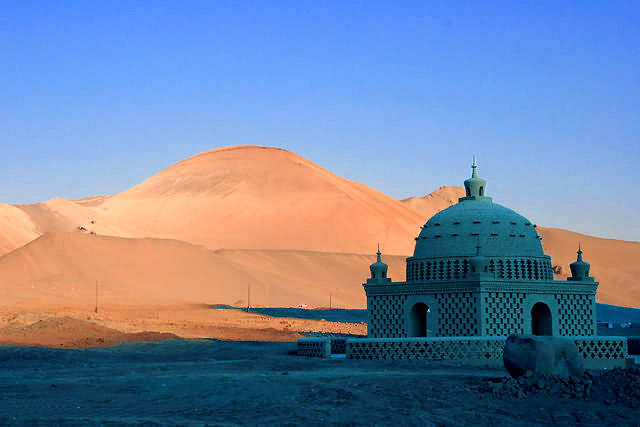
pixel 241 383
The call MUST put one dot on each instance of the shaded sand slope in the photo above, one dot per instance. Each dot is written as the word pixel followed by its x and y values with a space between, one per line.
pixel 61 269
pixel 16 228
pixel 262 198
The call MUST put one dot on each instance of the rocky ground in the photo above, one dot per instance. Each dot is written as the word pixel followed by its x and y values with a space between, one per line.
pixel 192 382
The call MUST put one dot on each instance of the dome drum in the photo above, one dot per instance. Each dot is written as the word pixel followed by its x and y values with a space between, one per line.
pixel 457 268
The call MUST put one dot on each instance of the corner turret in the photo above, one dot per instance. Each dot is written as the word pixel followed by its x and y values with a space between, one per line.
pixel 379 271
pixel 580 269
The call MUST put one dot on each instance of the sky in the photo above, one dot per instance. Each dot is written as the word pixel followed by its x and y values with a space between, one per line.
pixel 97 96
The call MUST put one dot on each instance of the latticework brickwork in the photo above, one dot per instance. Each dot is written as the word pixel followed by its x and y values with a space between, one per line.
pixel 503 313
pixel 458 314
pixel 470 349
pixel 386 316
pixel 576 314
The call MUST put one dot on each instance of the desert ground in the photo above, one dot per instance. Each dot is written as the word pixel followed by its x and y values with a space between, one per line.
pixel 188 382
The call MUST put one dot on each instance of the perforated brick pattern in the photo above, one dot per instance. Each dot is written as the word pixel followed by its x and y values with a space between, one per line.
pixel 457 268
pixel 602 348
pixel 338 345
pixel 458 314
pixel 504 313
pixel 314 347
pixel 470 349
pixel 386 316
pixel 576 315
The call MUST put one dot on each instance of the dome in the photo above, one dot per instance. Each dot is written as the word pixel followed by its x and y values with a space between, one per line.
pixel 457 230
pixel 450 238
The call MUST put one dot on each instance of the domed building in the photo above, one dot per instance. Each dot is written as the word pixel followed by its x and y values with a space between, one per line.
pixel 479 269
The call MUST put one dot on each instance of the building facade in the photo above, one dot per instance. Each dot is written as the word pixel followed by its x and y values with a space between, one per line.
pixel 479 269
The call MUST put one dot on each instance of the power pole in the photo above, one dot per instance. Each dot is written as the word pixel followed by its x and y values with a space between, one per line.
pixel 329 300
pixel 96 310
pixel 248 296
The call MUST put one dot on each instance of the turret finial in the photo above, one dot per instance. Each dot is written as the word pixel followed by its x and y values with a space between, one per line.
pixel 379 253
pixel 579 252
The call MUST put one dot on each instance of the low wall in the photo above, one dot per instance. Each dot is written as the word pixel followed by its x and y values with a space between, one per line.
pixel 315 347
pixel 598 352
pixel 602 352
pixel 472 350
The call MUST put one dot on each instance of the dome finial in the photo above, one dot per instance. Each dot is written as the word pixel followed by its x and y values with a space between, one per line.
pixel 474 174
pixel 379 253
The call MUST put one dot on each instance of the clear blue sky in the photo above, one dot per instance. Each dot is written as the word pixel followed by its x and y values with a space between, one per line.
pixel 97 96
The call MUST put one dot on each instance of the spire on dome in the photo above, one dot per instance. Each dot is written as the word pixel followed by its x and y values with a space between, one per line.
pixel 475 186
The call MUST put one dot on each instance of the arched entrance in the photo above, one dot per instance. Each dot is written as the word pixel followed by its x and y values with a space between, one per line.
pixel 418 320
pixel 541 320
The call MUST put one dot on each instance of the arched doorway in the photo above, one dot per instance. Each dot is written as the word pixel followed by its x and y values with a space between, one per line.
pixel 541 320
pixel 418 320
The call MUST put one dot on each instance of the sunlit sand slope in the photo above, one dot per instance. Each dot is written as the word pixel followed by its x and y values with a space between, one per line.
pixel 262 198
pixel 61 269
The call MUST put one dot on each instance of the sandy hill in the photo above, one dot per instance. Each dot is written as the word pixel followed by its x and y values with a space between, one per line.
pixel 239 197
pixel 61 269
pixel 262 198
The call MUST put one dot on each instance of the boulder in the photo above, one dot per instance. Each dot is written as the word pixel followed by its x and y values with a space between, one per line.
pixel 542 355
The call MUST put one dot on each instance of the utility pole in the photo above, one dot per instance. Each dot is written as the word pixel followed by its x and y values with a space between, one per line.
pixel 96 310
pixel 248 296
pixel 329 300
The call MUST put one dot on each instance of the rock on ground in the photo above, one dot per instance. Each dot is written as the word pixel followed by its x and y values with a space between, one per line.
pixel 542 355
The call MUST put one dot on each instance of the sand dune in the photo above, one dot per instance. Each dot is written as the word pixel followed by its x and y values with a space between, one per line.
pixel 61 269
pixel 262 198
